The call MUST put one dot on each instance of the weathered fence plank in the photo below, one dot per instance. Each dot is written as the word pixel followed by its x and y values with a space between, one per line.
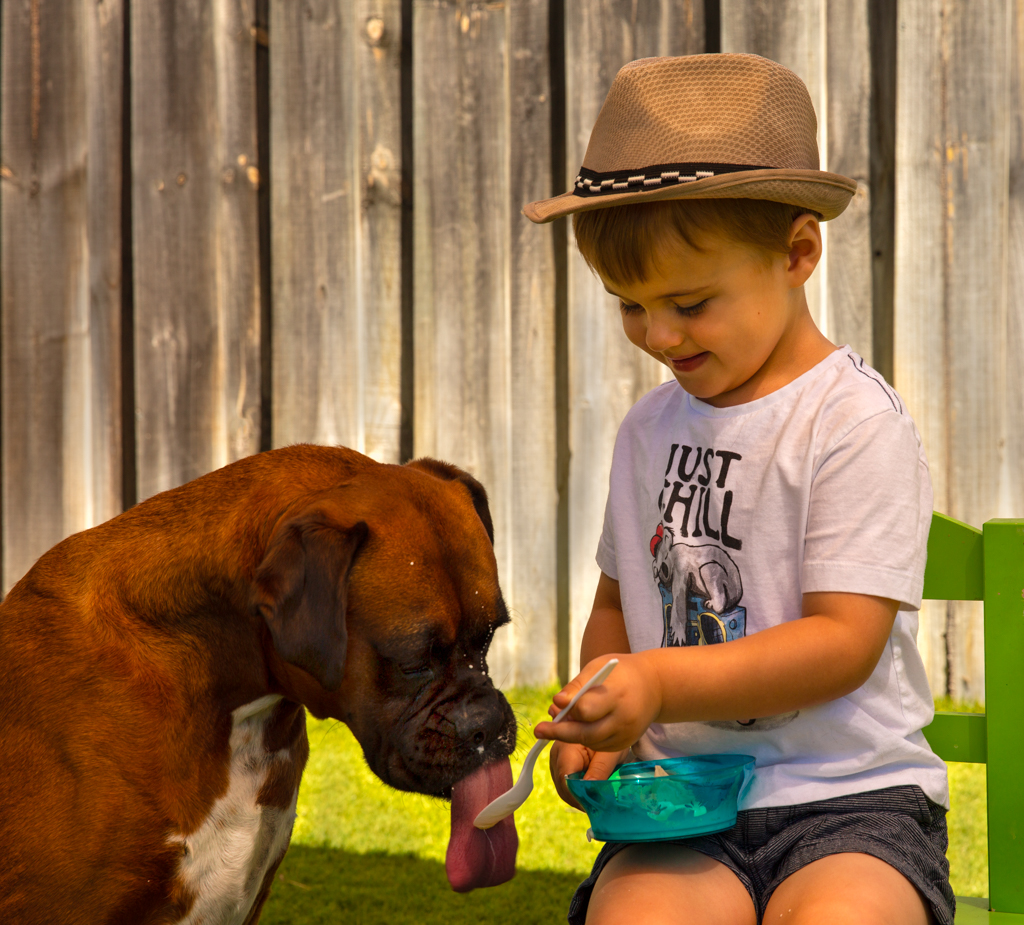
pixel 1011 475
pixel 950 307
pixel 61 272
pixel 919 355
pixel 882 28
pixel 336 221
pixel 848 264
pixel 534 502
pixel 196 250
pixel 606 373
pixel 484 325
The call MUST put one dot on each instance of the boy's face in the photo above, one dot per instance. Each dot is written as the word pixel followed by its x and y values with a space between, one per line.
pixel 731 325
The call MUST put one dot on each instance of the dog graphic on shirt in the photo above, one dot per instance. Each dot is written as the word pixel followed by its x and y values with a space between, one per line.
pixel 701 588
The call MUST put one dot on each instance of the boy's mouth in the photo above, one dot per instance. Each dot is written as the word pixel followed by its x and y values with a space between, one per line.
pixel 690 363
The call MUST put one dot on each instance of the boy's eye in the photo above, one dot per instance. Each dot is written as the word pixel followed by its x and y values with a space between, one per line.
pixel 630 308
pixel 691 309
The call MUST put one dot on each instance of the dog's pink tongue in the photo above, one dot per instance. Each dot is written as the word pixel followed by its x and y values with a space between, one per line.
pixel 481 857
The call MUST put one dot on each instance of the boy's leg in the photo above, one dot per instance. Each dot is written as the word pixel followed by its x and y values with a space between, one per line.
pixel 662 883
pixel 848 888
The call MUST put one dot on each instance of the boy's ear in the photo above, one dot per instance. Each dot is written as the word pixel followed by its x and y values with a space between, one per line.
pixel 804 249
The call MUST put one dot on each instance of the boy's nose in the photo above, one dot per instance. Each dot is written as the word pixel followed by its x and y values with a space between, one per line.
pixel 663 332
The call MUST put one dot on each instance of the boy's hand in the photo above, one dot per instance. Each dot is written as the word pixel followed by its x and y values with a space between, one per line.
pixel 611 716
pixel 568 758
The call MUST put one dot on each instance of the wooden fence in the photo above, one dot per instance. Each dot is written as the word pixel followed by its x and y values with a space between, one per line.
pixel 235 224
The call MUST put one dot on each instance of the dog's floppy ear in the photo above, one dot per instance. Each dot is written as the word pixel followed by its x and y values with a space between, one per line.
pixel 452 473
pixel 301 588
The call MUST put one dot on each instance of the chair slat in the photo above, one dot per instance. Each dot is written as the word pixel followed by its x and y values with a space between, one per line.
pixel 955 568
pixel 1004 708
pixel 973 911
pixel 959 737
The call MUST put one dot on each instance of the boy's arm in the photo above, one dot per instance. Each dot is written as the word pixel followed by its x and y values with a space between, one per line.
pixel 827 654
pixel 606 629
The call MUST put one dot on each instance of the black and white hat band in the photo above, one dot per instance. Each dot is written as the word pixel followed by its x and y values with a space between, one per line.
pixel 592 183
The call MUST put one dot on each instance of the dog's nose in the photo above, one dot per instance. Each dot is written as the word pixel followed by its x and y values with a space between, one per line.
pixel 478 723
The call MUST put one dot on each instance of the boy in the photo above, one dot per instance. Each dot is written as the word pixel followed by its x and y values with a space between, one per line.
pixel 763 551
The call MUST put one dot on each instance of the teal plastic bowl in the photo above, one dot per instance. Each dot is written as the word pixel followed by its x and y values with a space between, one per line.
pixel 657 800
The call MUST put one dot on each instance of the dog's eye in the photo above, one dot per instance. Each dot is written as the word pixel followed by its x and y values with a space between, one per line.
pixel 418 672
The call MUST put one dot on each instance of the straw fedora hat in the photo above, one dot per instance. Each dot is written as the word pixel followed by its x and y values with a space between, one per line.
pixel 703 127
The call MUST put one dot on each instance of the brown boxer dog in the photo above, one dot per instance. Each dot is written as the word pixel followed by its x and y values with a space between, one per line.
pixel 154 670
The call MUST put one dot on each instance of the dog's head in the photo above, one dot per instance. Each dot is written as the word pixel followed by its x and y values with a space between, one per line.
pixel 380 599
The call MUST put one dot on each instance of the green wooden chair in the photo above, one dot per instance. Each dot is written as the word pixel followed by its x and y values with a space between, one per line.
pixel 967 564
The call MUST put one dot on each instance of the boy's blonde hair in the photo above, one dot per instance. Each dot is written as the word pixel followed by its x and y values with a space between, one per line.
pixel 623 243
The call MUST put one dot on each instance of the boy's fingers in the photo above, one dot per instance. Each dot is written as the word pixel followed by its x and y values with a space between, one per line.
pixel 567 730
pixel 600 736
pixel 602 764
pixel 548 730
pixel 562 698
pixel 565 760
pixel 594 705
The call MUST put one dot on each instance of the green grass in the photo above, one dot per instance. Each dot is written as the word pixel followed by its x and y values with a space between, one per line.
pixel 364 854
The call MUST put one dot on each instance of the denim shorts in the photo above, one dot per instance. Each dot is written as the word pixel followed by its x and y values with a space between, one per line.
pixel 898 825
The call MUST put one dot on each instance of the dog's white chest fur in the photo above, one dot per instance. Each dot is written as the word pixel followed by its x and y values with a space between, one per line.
pixel 227 858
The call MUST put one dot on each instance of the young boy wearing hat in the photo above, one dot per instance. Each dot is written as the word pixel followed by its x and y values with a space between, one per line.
pixel 763 550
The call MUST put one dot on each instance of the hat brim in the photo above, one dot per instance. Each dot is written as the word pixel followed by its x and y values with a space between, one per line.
pixel 816 190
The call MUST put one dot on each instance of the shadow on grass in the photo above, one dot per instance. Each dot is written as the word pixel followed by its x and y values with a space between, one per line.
pixel 324 886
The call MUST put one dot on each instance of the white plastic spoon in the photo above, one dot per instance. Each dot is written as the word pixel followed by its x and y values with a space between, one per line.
pixel 512 799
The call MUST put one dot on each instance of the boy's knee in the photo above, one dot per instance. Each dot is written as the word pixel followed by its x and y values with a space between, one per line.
pixel 652 884
pixel 847 889
pixel 838 911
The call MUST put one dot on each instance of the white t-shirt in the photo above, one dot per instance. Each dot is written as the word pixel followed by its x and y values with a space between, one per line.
pixel 819 486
